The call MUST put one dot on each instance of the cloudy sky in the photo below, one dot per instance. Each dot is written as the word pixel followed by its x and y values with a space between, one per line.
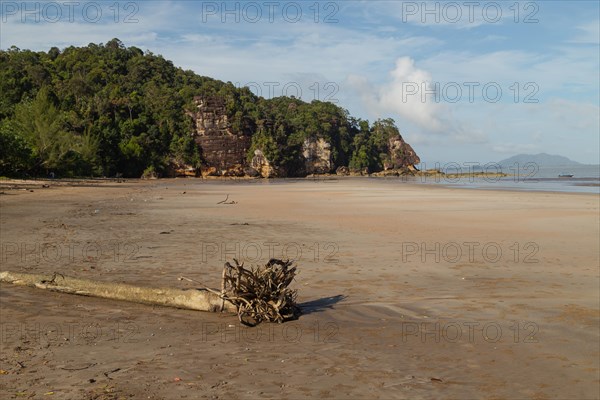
pixel 466 81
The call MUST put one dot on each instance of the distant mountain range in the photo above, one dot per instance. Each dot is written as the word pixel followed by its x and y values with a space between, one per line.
pixel 542 160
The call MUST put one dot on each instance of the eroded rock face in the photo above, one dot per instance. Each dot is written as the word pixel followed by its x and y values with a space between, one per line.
pixel 342 171
pixel 401 154
pixel 261 165
pixel 317 156
pixel 223 151
pixel 180 169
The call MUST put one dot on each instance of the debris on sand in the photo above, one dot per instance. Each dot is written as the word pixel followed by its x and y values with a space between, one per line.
pixel 201 299
pixel 261 293
pixel 227 202
pixel 257 294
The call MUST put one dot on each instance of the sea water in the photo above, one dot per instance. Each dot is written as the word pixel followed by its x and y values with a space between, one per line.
pixel 586 178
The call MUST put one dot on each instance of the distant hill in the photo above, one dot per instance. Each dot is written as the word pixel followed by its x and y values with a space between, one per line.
pixel 542 160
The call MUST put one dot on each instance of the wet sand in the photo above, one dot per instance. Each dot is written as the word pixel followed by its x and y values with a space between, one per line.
pixel 409 291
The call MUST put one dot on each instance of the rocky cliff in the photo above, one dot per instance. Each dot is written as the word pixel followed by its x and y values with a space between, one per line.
pixel 223 151
pixel 260 166
pixel 317 156
pixel 401 154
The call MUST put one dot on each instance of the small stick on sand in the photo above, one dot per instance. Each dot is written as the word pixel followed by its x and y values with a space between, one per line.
pixel 227 202
pixel 224 201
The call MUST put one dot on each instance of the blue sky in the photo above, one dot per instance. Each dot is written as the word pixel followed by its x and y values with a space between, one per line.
pixel 466 81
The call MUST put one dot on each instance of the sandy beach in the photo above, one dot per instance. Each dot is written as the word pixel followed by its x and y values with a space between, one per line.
pixel 408 291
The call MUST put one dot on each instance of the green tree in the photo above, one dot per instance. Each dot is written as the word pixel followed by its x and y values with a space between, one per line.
pixel 42 126
pixel 106 108
pixel 40 123
pixel 16 155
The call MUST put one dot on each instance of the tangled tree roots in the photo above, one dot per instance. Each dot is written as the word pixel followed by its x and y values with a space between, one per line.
pixel 262 293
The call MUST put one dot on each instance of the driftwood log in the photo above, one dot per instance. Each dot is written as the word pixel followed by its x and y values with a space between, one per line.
pixel 257 295
pixel 192 299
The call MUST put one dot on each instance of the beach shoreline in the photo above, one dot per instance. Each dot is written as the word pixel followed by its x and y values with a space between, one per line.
pixel 477 181
pixel 409 290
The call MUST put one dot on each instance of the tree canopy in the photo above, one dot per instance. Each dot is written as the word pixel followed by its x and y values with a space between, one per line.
pixel 105 109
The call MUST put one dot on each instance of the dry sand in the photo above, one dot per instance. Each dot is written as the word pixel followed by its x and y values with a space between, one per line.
pixel 404 291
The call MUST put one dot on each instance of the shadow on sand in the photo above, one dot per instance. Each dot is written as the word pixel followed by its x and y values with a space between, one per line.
pixel 322 304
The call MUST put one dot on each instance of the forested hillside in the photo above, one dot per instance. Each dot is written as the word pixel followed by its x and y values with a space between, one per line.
pixel 105 109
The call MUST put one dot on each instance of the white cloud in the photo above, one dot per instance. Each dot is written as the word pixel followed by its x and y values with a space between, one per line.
pixel 553 72
pixel 409 94
pixel 496 66
pixel 516 148
pixel 580 117
pixel 399 95
pixel 589 33
pixel 404 94
pixel 457 15
pixel 555 126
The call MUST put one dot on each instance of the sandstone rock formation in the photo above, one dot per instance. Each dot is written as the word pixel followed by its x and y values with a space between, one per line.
pixel 342 171
pixel 317 156
pixel 177 168
pixel 401 154
pixel 261 165
pixel 223 151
